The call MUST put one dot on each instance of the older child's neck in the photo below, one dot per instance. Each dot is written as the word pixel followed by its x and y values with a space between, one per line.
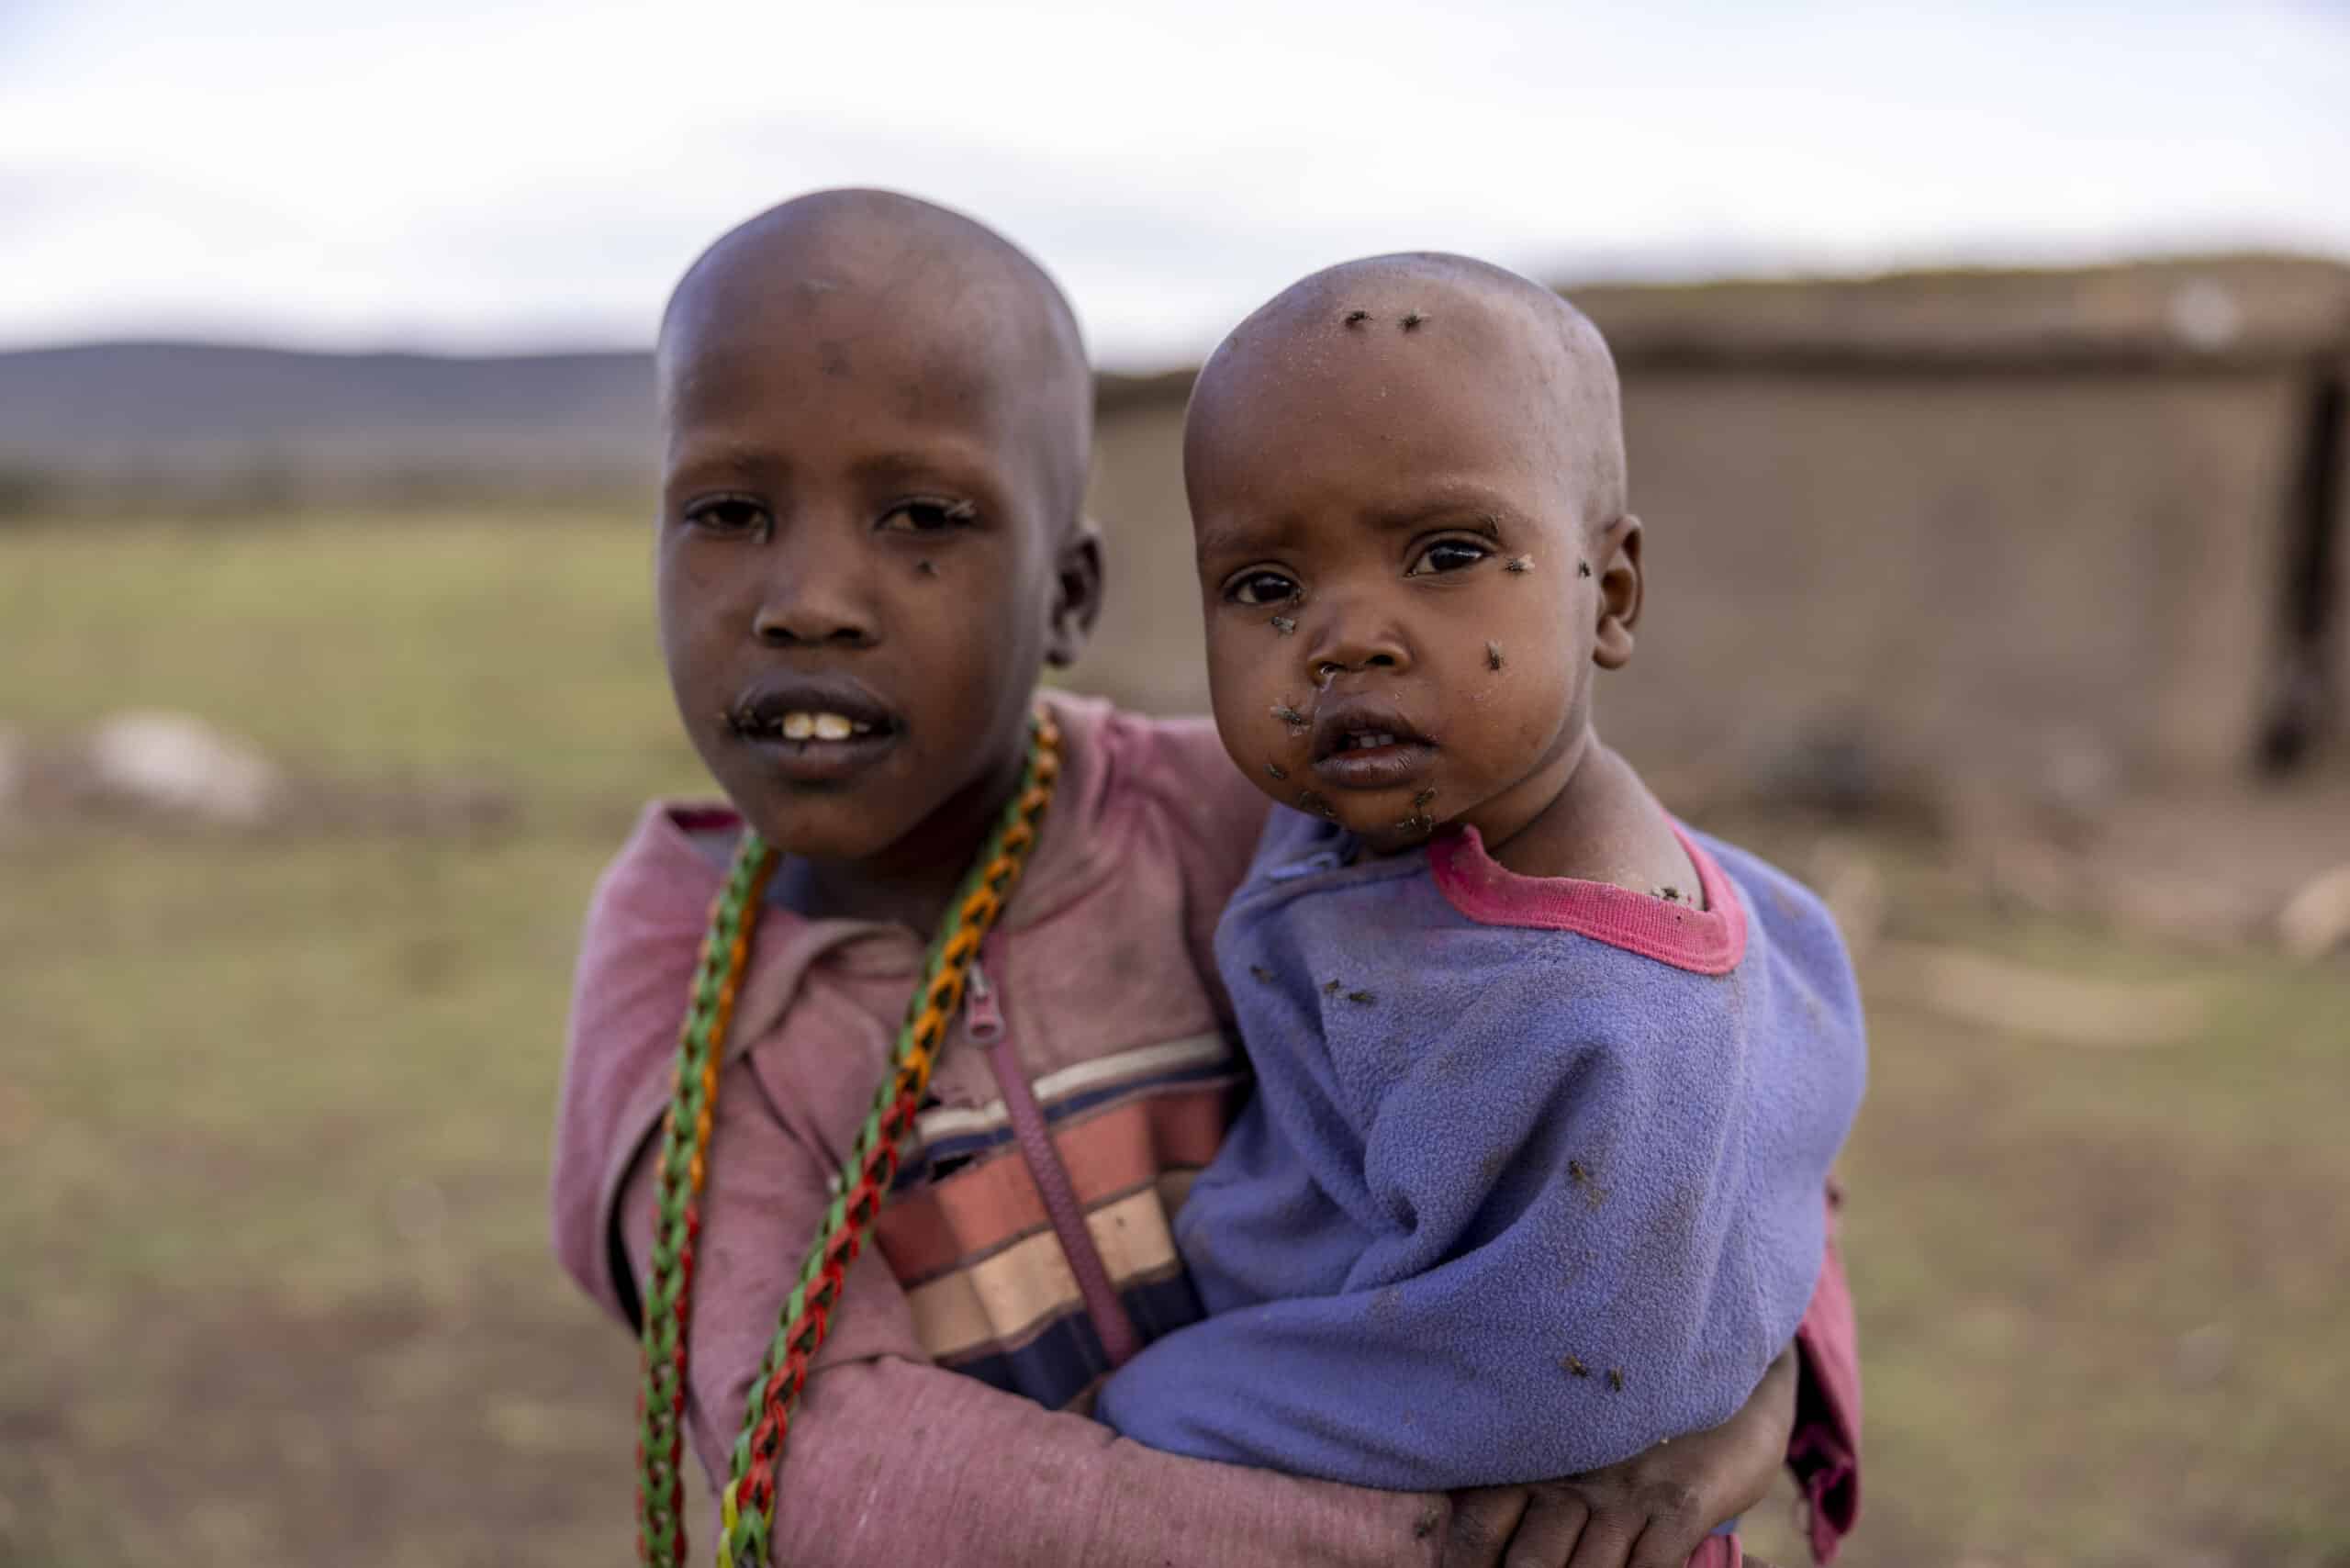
pixel 912 881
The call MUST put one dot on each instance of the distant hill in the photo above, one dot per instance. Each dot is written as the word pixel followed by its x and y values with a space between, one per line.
pixel 227 416
pixel 172 425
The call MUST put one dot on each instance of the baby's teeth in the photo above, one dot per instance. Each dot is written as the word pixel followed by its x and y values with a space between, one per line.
pixel 798 726
pixel 832 727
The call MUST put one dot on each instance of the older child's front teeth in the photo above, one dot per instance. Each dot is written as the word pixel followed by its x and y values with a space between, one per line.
pixel 823 727
pixel 1361 742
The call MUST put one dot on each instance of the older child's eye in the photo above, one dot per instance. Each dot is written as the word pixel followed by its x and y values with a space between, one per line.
pixel 928 515
pixel 727 514
pixel 1261 586
pixel 1448 556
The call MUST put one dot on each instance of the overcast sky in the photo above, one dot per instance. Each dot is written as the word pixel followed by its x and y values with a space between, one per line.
pixel 473 176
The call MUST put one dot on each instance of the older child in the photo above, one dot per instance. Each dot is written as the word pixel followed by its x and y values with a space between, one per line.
pixel 877 418
pixel 1548 1085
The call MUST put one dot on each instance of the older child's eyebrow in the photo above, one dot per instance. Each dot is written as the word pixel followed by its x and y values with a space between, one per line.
pixel 719 460
pixel 952 465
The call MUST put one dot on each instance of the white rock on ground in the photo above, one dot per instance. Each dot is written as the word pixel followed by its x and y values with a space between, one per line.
pixel 2316 920
pixel 176 762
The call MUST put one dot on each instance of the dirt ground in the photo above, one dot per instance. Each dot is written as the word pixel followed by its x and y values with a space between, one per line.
pixel 274 1113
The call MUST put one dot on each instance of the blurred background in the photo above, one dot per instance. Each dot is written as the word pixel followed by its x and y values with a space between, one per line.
pixel 1985 375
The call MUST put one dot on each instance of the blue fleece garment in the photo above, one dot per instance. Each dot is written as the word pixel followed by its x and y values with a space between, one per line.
pixel 1492 1156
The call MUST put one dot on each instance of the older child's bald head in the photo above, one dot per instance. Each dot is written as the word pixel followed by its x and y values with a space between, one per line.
pixel 1439 320
pixel 885 284
pixel 876 417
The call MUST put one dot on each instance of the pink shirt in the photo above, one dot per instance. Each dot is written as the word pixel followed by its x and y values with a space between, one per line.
pixel 1105 981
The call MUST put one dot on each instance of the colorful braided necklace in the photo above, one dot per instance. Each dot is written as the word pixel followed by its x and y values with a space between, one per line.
pixel 747 1504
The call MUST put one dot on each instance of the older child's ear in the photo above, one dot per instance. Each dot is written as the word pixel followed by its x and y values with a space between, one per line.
pixel 1076 595
pixel 1617 548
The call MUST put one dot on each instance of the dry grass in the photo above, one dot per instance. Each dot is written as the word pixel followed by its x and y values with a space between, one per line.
pixel 274 1113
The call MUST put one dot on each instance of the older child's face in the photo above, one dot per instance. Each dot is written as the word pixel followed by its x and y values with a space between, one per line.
pixel 865 554
pixel 1404 596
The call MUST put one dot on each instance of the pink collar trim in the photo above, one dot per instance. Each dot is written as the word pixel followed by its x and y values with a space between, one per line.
pixel 1708 941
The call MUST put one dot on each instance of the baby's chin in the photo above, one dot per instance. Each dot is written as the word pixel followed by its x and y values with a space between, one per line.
pixel 1389 822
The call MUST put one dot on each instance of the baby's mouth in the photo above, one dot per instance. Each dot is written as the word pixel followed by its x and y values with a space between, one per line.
pixel 1363 744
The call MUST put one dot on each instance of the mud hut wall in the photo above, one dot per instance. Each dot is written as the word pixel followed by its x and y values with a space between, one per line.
pixel 1147 651
pixel 1977 572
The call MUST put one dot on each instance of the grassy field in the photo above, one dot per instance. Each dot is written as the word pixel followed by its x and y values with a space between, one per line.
pixel 273 1114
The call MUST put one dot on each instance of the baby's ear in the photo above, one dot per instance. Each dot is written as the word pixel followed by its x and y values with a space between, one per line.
pixel 1077 594
pixel 1617 549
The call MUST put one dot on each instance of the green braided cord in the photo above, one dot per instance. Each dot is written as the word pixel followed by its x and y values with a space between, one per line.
pixel 661 1527
pixel 748 1541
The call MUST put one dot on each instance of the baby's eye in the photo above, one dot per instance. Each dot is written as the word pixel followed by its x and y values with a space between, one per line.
pixel 1448 556
pixel 928 514
pixel 1262 587
pixel 727 514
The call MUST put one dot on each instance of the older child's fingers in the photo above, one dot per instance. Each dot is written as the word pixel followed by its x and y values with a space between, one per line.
pixel 1682 1543
pixel 1482 1524
pixel 1608 1538
pixel 1553 1525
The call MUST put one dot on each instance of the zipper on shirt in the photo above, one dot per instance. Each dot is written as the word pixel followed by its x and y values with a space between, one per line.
pixel 983 1019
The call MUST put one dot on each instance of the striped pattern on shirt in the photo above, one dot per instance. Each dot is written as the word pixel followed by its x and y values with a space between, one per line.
pixel 966 1234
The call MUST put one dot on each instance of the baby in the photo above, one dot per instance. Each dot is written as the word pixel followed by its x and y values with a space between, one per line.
pixel 1549 1085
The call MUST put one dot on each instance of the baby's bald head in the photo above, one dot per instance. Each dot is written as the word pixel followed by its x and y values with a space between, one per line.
pixel 884 282
pixel 1407 485
pixel 1457 324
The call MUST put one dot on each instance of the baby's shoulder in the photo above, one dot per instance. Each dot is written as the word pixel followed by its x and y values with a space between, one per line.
pixel 1794 922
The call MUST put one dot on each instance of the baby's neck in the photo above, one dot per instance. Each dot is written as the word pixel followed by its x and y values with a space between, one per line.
pixel 1601 826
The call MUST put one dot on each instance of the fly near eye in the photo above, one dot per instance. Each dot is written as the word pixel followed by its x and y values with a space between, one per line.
pixel 1448 556
pixel 1263 588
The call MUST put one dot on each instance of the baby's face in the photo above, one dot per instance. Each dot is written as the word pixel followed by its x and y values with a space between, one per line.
pixel 857 561
pixel 1403 595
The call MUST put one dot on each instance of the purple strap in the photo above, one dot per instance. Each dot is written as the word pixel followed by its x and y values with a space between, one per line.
pixel 1116 1330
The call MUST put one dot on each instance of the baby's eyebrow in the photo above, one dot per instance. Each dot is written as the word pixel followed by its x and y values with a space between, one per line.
pixel 1476 515
pixel 1240 539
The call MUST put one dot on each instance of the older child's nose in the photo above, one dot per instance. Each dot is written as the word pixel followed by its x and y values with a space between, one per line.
pixel 796 626
pixel 812 611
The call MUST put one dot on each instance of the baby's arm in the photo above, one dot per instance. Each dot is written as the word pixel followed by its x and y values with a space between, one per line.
pixel 1559 1272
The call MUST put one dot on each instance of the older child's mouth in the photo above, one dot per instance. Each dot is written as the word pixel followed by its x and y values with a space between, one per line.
pixel 802 725
pixel 814 732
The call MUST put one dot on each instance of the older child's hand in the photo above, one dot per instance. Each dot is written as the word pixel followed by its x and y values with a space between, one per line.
pixel 1649 1511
